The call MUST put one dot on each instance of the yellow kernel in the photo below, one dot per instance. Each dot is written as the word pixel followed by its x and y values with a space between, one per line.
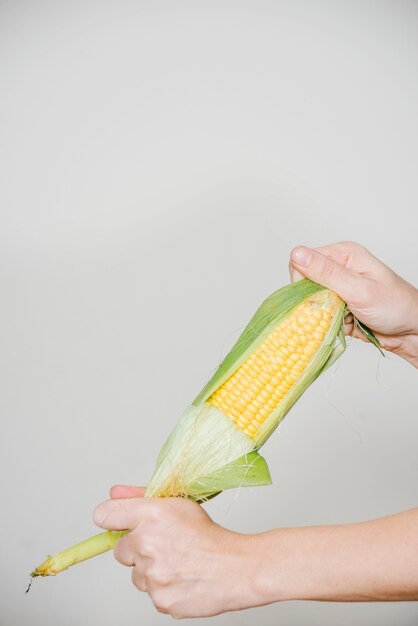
pixel 255 386
pixel 298 367
pixel 282 335
pixel 277 361
pixel 277 379
pixel 264 377
pixel 240 403
pixel 317 314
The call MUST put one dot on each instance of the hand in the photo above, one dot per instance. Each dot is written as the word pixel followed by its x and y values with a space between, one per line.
pixel 377 296
pixel 190 566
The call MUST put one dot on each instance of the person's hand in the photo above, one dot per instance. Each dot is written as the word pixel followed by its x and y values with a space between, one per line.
pixel 378 297
pixel 190 566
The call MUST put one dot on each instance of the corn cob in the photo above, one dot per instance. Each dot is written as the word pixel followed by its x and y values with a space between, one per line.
pixel 290 340
pixel 262 382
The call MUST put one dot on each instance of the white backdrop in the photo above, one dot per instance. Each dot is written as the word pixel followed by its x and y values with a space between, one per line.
pixel 158 160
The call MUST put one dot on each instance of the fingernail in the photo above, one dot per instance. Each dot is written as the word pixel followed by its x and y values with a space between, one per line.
pixel 302 256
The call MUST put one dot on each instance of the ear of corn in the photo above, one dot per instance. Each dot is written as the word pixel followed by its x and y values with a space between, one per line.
pixel 285 346
pixel 291 338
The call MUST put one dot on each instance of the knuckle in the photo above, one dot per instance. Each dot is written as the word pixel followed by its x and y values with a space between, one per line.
pixel 348 243
pixel 155 513
pixel 121 552
pixel 328 268
pixel 119 555
pixel 139 580
pixel 162 601
pixel 147 546
pixel 158 576
pixel 356 248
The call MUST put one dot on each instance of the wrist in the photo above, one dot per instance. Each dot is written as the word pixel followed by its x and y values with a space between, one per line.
pixel 407 345
pixel 407 348
pixel 271 566
pixel 251 570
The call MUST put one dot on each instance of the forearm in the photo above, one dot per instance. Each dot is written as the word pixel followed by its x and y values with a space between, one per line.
pixel 376 560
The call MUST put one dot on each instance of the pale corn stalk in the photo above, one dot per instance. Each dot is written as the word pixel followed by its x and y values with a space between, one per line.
pixel 294 336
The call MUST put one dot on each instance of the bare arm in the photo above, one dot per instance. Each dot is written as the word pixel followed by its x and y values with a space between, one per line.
pixel 374 560
pixel 192 567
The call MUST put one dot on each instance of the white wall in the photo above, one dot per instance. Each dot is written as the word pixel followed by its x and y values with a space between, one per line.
pixel 158 162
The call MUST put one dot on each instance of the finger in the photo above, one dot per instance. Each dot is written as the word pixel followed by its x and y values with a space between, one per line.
pixel 352 255
pixel 325 271
pixel 348 324
pixel 139 579
pixel 126 491
pixel 123 552
pixel 341 253
pixel 123 514
pixel 358 334
pixel 294 274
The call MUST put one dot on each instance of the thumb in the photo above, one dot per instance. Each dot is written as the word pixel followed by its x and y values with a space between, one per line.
pixel 122 514
pixel 325 271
